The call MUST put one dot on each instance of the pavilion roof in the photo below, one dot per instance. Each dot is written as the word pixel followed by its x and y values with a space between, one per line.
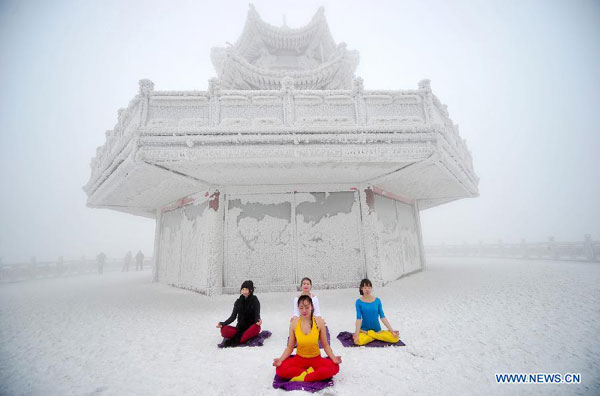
pixel 265 54
pixel 258 33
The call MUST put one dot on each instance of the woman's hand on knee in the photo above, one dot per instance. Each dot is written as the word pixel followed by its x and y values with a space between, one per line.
pixel 277 362
pixel 337 359
pixel 219 325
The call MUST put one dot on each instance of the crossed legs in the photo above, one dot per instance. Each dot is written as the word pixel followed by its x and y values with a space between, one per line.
pixel 296 365
pixel 229 332
pixel 383 335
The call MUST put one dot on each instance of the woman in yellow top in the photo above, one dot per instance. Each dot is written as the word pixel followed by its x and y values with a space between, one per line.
pixel 307 365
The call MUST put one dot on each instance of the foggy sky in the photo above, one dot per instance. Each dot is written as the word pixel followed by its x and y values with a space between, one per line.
pixel 519 77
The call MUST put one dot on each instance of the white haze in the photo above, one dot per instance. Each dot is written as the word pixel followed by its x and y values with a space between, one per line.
pixel 519 77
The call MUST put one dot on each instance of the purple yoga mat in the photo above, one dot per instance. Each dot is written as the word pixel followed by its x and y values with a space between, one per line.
pixel 252 342
pixel 285 384
pixel 347 341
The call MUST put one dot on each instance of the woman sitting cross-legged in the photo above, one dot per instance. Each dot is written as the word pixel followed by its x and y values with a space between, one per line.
pixel 307 365
pixel 247 310
pixel 306 287
pixel 368 312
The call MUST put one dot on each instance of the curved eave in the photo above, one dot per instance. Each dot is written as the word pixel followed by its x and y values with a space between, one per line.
pixel 413 163
pixel 139 188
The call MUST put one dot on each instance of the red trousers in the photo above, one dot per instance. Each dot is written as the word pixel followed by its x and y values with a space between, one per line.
pixel 295 365
pixel 230 332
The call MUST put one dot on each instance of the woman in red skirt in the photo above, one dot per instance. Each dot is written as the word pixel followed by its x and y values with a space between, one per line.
pixel 307 365
pixel 247 311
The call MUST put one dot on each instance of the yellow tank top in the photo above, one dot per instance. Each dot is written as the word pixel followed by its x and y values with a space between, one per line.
pixel 308 344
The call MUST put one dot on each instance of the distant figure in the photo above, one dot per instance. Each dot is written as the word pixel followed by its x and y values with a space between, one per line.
pixel 126 262
pixel 100 261
pixel 60 266
pixel 139 260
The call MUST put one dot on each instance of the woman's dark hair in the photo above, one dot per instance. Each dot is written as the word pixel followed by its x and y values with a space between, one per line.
pixel 307 298
pixel 363 283
pixel 248 284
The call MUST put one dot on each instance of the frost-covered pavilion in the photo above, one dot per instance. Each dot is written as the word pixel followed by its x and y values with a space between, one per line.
pixel 286 167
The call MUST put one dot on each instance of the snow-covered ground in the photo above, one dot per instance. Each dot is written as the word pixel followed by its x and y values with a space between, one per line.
pixel 463 320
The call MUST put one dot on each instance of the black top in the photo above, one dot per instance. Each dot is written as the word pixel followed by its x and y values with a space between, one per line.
pixel 247 311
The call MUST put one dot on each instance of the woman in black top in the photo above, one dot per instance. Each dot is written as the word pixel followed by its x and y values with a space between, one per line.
pixel 247 310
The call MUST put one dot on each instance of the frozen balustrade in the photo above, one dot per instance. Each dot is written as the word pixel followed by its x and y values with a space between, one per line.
pixel 285 116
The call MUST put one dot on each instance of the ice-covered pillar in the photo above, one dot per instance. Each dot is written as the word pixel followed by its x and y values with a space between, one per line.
pixel 588 248
pixel 425 88
pixel 420 236
pixel 360 109
pixel 370 236
pixel 156 253
pixel 215 242
pixel 214 91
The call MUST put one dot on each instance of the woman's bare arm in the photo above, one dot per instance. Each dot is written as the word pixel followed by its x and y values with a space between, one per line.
pixel 357 330
pixel 290 346
pixel 326 347
pixel 389 326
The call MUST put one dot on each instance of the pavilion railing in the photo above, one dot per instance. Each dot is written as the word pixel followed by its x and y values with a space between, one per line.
pixel 24 271
pixel 202 113
pixel 586 250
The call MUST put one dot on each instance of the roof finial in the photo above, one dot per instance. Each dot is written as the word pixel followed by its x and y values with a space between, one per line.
pixel 319 14
pixel 252 13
